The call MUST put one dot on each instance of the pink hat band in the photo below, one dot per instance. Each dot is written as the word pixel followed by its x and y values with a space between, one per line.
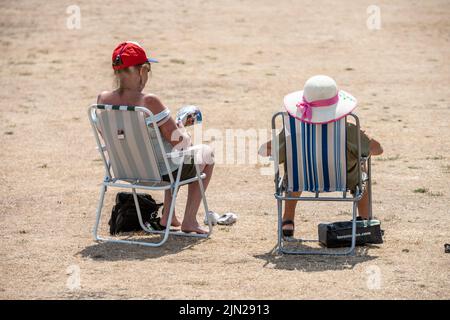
pixel 306 106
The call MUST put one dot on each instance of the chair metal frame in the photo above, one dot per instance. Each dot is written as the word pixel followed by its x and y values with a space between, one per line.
pixel 281 195
pixel 173 185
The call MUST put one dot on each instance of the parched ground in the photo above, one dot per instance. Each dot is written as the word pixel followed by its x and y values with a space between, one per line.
pixel 236 60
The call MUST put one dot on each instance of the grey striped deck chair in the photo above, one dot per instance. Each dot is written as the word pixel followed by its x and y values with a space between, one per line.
pixel 128 155
pixel 316 162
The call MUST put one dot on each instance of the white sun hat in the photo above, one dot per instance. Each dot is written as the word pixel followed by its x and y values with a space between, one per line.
pixel 320 101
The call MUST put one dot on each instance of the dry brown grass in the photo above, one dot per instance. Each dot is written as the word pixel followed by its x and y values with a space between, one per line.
pixel 236 60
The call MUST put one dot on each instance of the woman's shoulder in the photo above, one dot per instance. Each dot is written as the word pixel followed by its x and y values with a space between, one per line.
pixel 151 98
pixel 102 96
pixel 152 102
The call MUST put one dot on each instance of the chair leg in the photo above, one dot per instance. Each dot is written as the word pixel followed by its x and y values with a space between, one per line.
pixel 349 251
pixel 99 211
pixel 97 222
pixel 146 244
pixel 141 221
pixel 138 211
pixel 166 232
pixel 369 184
pixel 205 203
pixel 169 219
pixel 280 231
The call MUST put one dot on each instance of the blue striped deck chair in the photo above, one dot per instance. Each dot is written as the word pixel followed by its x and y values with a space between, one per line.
pixel 128 155
pixel 316 163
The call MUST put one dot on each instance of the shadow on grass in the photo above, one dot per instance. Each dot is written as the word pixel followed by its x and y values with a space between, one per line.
pixel 316 263
pixel 107 251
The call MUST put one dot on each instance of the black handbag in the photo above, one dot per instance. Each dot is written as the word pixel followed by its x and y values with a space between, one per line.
pixel 339 234
pixel 124 215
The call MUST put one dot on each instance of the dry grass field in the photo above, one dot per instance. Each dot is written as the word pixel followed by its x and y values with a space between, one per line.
pixel 236 60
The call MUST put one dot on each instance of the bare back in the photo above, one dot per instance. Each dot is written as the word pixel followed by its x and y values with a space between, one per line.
pixel 124 99
pixel 134 98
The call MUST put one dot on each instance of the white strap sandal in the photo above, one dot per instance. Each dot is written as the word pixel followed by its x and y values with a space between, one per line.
pixel 213 218
pixel 227 219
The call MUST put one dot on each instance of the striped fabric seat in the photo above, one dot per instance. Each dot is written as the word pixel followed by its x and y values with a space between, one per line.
pixel 128 144
pixel 316 157
pixel 129 154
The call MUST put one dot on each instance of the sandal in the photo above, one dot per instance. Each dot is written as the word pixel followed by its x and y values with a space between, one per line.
pixel 227 219
pixel 288 233
pixel 213 216
pixel 159 227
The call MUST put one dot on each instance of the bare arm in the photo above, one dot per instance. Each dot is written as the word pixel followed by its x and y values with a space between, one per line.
pixel 177 137
pixel 375 147
pixel 266 149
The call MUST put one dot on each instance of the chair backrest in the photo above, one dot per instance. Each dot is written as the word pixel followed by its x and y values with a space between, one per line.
pixel 127 141
pixel 316 156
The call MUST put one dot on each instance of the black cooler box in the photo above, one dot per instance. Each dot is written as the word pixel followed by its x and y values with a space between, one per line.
pixel 339 234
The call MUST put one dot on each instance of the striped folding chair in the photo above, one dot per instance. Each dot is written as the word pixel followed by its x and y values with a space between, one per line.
pixel 316 162
pixel 128 155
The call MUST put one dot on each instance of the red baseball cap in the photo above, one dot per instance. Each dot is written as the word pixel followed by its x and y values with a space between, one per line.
pixel 128 54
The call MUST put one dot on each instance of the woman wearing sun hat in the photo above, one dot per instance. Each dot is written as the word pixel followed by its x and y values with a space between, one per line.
pixel 321 102
pixel 131 67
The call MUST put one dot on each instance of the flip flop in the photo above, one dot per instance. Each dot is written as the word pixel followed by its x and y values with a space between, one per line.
pixel 213 217
pixel 227 219
pixel 159 227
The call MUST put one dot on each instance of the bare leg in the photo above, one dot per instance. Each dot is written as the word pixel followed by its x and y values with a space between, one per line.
pixel 194 197
pixel 363 206
pixel 289 211
pixel 165 215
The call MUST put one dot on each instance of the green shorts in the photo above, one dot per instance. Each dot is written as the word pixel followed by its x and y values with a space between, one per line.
pixel 187 172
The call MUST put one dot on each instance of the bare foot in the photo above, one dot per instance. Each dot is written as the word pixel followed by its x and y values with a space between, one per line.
pixel 193 228
pixel 175 223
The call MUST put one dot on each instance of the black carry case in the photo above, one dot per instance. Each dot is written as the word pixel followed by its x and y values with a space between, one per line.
pixel 339 234
pixel 124 215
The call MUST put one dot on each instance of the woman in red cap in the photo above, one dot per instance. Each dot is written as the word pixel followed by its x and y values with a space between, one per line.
pixel 131 68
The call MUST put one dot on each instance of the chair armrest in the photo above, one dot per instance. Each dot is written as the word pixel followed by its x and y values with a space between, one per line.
pixel 364 159
pixel 189 151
